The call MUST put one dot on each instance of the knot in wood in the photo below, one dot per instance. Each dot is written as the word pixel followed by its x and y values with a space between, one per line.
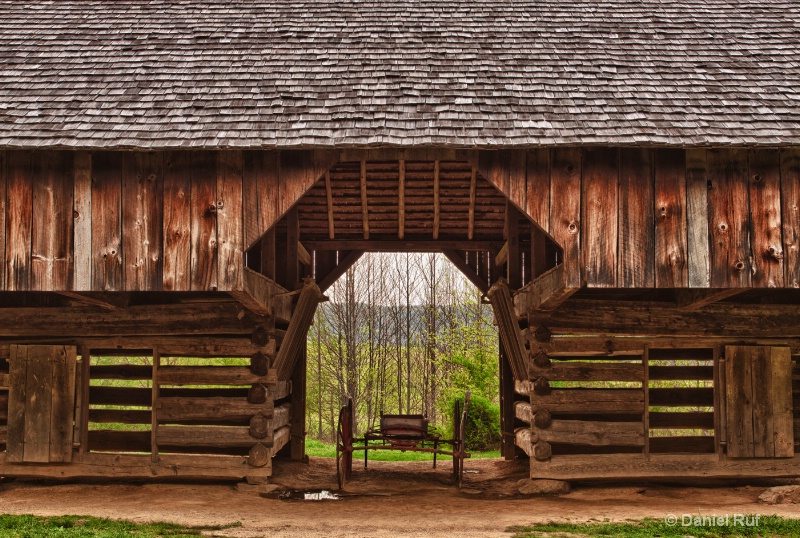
pixel 739 265
pixel 572 227
pixel 756 178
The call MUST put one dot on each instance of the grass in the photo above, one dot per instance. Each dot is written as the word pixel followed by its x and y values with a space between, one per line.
pixel 319 449
pixel 27 526
pixel 767 526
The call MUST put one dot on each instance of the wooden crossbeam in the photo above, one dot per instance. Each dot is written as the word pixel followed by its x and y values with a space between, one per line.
pixel 346 262
pixel 295 340
pixel 458 259
pixel 436 205
pixel 405 245
pixel 262 295
pixel 115 302
pixel 401 201
pixel 473 187
pixel 364 208
pixel 545 293
pixel 329 197
pixel 502 256
pixel 510 335
pixel 695 299
pixel 303 255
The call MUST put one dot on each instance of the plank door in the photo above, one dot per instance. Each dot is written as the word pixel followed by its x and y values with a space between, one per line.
pixel 41 400
pixel 758 398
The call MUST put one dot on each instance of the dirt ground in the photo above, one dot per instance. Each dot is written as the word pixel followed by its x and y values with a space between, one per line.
pixel 388 499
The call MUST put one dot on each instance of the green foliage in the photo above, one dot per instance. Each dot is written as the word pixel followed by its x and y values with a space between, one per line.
pixel 318 449
pixel 767 526
pixel 483 424
pixel 27 526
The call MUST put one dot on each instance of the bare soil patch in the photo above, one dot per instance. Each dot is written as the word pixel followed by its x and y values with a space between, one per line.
pixel 388 499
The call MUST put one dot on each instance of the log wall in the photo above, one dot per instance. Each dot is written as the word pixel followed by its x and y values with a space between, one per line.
pixel 4 380
pixel 660 411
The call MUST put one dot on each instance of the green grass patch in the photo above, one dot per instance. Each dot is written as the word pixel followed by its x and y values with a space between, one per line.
pixel 710 527
pixel 319 449
pixel 27 526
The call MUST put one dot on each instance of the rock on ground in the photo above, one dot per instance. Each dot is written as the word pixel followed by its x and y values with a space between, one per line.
pixel 781 495
pixel 527 486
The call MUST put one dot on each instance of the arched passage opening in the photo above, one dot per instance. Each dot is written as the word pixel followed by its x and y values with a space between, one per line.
pixel 405 206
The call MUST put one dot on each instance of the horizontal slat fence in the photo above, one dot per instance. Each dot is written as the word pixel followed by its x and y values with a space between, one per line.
pixel 3 397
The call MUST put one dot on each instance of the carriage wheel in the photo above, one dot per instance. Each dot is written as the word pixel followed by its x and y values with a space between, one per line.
pixel 456 442
pixel 344 444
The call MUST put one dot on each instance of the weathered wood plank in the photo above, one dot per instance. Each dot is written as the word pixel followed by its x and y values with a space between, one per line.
pixel 295 340
pixel 510 336
pixel 537 198
pixel 262 296
pixel 765 215
pixel 697 219
pixel 590 401
pixel 18 221
pixel 230 220
pixel 589 371
pixel 682 420
pixel 257 165
pixel 636 233
pixel 177 221
pixel 790 217
pixel 211 375
pixel 121 371
pixel 739 398
pixel 203 236
pixel 38 405
pixel 63 361
pixel 524 438
pixel 681 372
pixel 695 299
pixel 142 214
pixel 120 416
pixel 107 222
pixel 17 398
pixel 565 209
pixel 279 439
pixel 595 433
pixel 523 412
pixel 762 417
pixel 780 398
pixel 179 409
pixel 671 223
pixel 600 207
pixel 729 210
pixel 680 397
pixel 3 202
pixel 139 466
pixel 51 231
pixel 612 467
pixel 208 436
pixel 82 226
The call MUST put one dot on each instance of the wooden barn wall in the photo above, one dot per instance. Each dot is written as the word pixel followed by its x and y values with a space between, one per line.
pixel 666 218
pixel 181 220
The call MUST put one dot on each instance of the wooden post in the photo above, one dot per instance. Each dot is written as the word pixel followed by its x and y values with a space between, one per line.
pixel 83 416
pixel 508 446
pixel 154 408
pixel 292 275
pixel 514 259
pixel 268 254
pixel 298 421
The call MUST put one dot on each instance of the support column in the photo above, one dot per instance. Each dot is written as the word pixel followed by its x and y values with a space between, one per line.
pixel 298 424
pixel 508 448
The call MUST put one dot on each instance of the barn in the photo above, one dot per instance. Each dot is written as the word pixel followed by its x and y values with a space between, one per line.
pixel 182 181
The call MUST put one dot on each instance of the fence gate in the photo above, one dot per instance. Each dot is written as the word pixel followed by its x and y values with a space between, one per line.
pixel 758 401
pixel 41 401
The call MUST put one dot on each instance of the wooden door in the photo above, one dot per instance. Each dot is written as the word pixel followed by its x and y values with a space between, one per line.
pixel 758 398
pixel 41 400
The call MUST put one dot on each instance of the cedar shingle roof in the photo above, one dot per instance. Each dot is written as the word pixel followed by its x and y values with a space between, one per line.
pixel 86 73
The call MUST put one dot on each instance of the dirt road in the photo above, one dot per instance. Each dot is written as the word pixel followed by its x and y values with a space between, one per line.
pixel 389 499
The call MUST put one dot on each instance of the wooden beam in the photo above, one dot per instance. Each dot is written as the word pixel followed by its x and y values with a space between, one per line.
pixel 345 263
pixel 655 319
pixel 405 245
pixel 329 196
pixel 292 275
pixel 213 318
pixel 295 340
pixel 510 336
pixel 514 267
pixel 401 200
pixel 473 183
pixel 262 296
pixel 436 205
pixel 457 259
pixel 139 466
pixel 364 208
pixel 303 255
pixel 545 293
pixel 502 256
pixel 695 299
pixel 615 466
pixel 105 301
